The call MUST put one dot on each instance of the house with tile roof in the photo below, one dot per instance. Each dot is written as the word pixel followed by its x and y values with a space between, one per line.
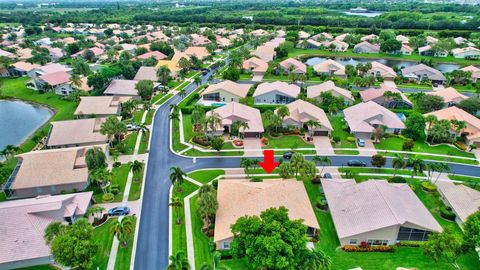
pixel 377 212
pixel 241 197
pixel 316 91
pixel 100 106
pixel 366 47
pixel 450 95
pixel 474 70
pixel 421 72
pixel 257 66
pixel 225 92
pixel 74 133
pixel 293 65
pixel 467 52
pixel 380 70
pixel 330 67
pixel 276 93
pixel 463 200
pixel 235 111
pixel 396 99
pixel 301 112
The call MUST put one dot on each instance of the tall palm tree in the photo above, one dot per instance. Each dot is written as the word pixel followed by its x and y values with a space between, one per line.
pixel 198 115
pixel 418 166
pixel 143 129
pixel 215 263
pixel 102 177
pixel 458 126
pixel 163 74
pixel 9 151
pixel 283 112
pixel 322 161
pixel 113 128
pixel 213 120
pixel 182 92
pixel 441 168
pixel 178 262
pixel 177 177
pixel 245 163
pixel 176 203
pixel 311 124
pixel 123 229
pixel 76 81
pixel 207 205
pixel 398 163
pixel 135 167
pixel 197 80
pixel 240 125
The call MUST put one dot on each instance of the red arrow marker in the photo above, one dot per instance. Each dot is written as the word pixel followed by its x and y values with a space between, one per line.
pixel 268 163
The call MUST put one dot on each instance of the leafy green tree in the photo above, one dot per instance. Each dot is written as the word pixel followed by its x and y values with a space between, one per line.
pixel 144 89
pixel 163 74
pixel 378 161
pixel 446 246
pixel 315 260
pixel 217 143
pixel 113 128
pixel 285 170
pixel 74 246
pixel 271 241
pixel 430 103
pixel 136 168
pixel 297 162
pixel 53 230
pixel 207 204
pixel 418 166
pixel 123 229
pixel 9 151
pixel 178 261
pixel 162 47
pixel 95 159
pixel 390 45
pixel 471 229
pixel 470 105
pixel 415 127
pixel 308 170
pixel 232 74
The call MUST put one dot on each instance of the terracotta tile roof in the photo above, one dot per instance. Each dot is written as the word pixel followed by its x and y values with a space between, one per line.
pixel 56 78
pixel 455 113
pixel 298 67
pixel 72 132
pixel 146 73
pixel 373 205
pixel 463 200
pixel 155 54
pixel 329 66
pixel 234 111
pixel 122 87
pixel 362 117
pixel 449 94
pixel 291 90
pixel 100 105
pixel 240 197
pixel 238 89
pixel 25 66
pixel 314 91
pixel 255 65
pixel 302 111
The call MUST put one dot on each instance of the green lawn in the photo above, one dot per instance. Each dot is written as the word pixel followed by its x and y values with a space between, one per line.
pixel 395 143
pixel 104 239
pixel 119 177
pixel 38 267
pixel 202 244
pixel 129 142
pixel 15 88
pixel 136 187
pixel 149 118
pixel 205 176
pixel 176 145
pixel 287 141
pixel 124 255
pixel 376 170
pixel 179 238
pixel 464 178
pixel 157 97
pixel 339 131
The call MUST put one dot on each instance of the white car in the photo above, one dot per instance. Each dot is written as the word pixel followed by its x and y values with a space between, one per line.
pixel 132 127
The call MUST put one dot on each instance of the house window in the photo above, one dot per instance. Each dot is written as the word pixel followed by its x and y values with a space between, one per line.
pixel 226 245
pixel 376 242
pixel 53 189
pixel 353 241
pixel 39 190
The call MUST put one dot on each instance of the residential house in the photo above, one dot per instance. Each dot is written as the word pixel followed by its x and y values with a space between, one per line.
pixel 316 91
pixel 172 65
pixel 450 95
pixel 341 37
pixel 99 106
pixel 302 35
pixel 199 40
pixel 403 39
pixel 257 66
pixel 310 44
pixel 322 36
pixel 380 97
pixel 6 54
pixel 369 37
pixel 155 54
pixel 44 41
pixel 431 40
pixel 234 111
pixel 276 93
pixel 266 53
pixel 366 47
pixel 380 70
pixel 293 65
pixel 472 130
pixel 199 52
pixel 463 200
pixel 58 81
pixel 146 73
pixel 24 222
pixel 474 70
pixel 406 50
pixel 74 133
pixel 22 68
pixel 428 51
pixel 301 112
pixel 24 54
pixel 130 48
pixel 421 72
pixel 257 33
pixel 122 88
pixel 330 67
pixel 97 52
pixel 363 118
pixel 241 197
pixel 225 92
pixel 55 53
pixel 337 45
pixel 468 52
pixel 356 209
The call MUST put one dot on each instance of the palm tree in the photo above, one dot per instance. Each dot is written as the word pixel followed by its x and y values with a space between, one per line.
pixel 212 121
pixel 177 177
pixel 215 263
pixel 458 126
pixel 198 115
pixel 143 129
pixel 123 229
pixel 177 204
pixel 9 151
pixel 441 168
pixel 241 125
pixel 76 81
pixel 283 112
pixel 113 128
pixel 311 124
pixel 245 163
pixel 197 81
pixel 95 211
pixel 102 177
pixel 207 204
pixel 418 166
pixel 182 92
pixel 163 74
pixel 315 260
pixel 178 262
pixel 398 163
pixel 135 167
pixel 322 161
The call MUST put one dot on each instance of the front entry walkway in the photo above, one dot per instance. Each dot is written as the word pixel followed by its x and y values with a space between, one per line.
pixel 323 145
pixel 252 147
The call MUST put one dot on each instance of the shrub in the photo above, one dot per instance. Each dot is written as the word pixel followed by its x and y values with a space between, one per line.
pixel 397 179
pixel 264 140
pixel 256 179
pixel 408 145
pixel 226 254
pixel 461 146
pixel 296 131
pixel 350 248
pixel 336 139
pixel 215 183
pixel 320 204
pixel 117 164
pixel 411 243
pixel 351 139
pixel 447 213
pixel 107 197
pixel 201 141
pixel 317 179
pixel 428 187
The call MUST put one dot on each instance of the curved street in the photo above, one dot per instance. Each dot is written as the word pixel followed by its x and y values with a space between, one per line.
pixel 153 243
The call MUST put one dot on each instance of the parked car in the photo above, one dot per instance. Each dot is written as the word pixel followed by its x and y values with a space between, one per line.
pixel 119 211
pixel 360 142
pixel 327 175
pixel 356 163
pixel 287 155
pixel 132 127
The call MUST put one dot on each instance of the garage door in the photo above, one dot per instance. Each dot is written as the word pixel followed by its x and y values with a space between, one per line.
pixel 320 133
pixel 250 134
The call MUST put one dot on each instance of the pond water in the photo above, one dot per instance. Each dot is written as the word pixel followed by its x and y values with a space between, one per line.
pixel 19 119
pixel 391 63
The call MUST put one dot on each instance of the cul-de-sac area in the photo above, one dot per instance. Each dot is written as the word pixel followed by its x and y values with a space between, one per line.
pixel 204 134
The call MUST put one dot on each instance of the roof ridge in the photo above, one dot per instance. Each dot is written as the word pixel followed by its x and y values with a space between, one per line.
pixel 387 202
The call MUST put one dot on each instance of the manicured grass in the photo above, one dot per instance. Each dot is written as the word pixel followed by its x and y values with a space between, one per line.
pixel 176 145
pixel 339 131
pixel 16 88
pixel 205 176
pixel 157 97
pixel 38 267
pixel 143 147
pixel 119 177
pixel 201 242
pixel 287 142
pixel 179 238
pixel 149 117
pixel 129 142
pixel 187 127
pixel 465 178
pixel 137 116
pixel 349 53
pixel 377 170
pixel 124 255
pixel 402 257
pixel 136 187
pixel 195 152
pixel 395 143
pixel 104 239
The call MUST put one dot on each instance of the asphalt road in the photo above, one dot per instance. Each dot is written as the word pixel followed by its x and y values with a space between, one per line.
pixel 152 244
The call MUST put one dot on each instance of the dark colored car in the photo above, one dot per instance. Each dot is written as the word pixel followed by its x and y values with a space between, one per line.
pixel 327 175
pixel 288 155
pixel 119 211
pixel 356 163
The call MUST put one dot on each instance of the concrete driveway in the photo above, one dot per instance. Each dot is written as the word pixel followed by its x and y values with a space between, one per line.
pixel 323 145
pixel 369 149
pixel 257 78
pixel 252 147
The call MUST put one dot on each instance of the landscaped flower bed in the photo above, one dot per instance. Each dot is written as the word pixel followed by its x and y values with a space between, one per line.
pixel 349 248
